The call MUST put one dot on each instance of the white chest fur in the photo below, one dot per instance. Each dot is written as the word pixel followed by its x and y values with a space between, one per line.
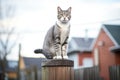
pixel 64 29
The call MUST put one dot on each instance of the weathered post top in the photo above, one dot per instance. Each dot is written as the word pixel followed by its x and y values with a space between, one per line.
pixel 58 62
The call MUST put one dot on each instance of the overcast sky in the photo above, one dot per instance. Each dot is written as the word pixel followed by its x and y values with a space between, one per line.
pixel 33 18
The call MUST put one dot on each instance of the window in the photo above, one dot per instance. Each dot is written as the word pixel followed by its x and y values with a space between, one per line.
pixel 87 62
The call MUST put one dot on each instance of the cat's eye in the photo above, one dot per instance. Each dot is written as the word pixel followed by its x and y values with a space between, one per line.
pixel 61 14
pixel 67 14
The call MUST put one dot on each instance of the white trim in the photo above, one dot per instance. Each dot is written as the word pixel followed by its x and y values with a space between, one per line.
pixel 96 56
pixel 109 34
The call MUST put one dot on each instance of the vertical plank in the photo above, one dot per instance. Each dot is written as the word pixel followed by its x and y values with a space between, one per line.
pixel 91 73
pixel 114 72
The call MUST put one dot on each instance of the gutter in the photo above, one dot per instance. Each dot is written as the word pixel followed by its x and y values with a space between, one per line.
pixel 115 49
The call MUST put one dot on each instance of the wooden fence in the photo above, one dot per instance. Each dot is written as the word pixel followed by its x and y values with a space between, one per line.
pixel 31 74
pixel 114 72
pixel 91 73
pixel 87 74
pixel 1 76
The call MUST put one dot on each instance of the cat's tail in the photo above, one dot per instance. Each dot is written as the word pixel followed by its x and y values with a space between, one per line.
pixel 37 51
pixel 41 51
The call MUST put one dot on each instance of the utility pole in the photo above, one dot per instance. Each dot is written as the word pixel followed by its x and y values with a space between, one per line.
pixel 18 76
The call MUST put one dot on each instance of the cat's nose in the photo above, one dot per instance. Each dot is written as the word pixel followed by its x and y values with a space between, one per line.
pixel 65 18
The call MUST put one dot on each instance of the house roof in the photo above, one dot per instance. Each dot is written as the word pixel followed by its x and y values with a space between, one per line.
pixel 78 44
pixel 115 49
pixel 33 62
pixel 113 32
pixel 11 66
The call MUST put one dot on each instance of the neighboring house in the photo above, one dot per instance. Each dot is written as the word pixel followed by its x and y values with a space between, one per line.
pixel 30 68
pixel 106 50
pixel 80 51
pixel 11 70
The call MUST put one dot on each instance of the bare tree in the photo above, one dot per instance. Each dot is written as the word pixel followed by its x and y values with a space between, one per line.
pixel 6 32
pixel 5 47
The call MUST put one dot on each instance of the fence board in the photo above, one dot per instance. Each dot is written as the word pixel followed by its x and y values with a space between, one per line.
pixel 91 73
pixel 114 72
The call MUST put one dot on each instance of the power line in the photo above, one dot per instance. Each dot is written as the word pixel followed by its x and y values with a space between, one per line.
pixel 102 22
pixel 89 23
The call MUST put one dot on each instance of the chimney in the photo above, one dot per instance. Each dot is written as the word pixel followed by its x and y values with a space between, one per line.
pixel 86 34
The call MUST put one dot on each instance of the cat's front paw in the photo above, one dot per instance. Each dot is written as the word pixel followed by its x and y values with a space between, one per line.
pixel 58 57
pixel 65 57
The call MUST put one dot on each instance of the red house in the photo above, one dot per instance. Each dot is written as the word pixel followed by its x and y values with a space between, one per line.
pixel 80 51
pixel 103 52
pixel 106 51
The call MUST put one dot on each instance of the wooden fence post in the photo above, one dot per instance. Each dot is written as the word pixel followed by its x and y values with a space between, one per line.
pixel 57 69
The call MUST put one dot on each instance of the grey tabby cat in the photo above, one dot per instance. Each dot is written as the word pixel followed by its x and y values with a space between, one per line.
pixel 55 42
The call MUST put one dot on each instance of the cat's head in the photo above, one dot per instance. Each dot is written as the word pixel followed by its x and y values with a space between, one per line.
pixel 64 16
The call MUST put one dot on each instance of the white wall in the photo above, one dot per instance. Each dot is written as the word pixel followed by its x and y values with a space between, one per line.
pixel 74 57
pixel 87 62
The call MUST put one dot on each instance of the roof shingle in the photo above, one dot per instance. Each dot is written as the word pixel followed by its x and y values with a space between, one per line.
pixel 81 44
pixel 114 31
pixel 33 62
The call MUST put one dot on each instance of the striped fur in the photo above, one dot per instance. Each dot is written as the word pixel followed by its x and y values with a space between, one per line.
pixel 55 42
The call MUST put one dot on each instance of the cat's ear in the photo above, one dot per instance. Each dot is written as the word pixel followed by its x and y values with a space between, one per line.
pixel 69 9
pixel 59 9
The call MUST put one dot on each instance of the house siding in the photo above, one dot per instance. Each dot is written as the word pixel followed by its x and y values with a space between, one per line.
pixel 85 55
pixel 74 57
pixel 106 58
